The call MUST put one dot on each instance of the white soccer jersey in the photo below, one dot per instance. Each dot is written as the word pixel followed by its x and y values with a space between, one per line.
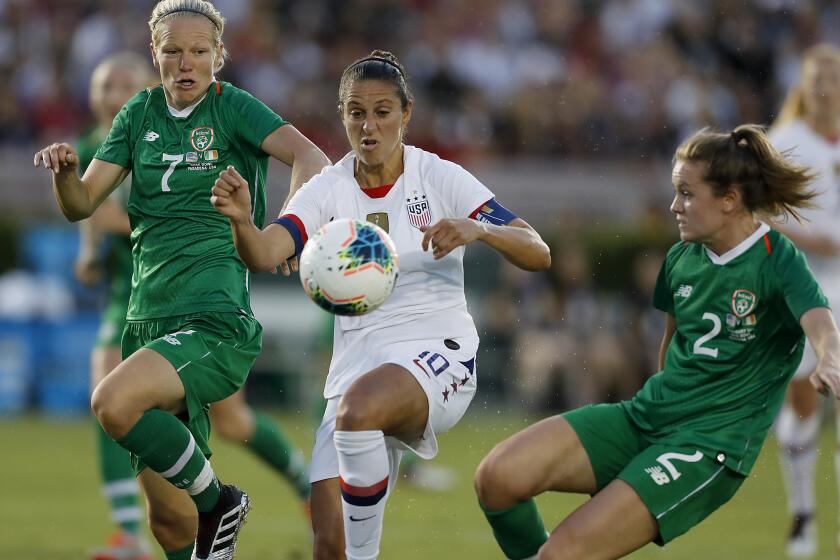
pixel 428 299
pixel 823 157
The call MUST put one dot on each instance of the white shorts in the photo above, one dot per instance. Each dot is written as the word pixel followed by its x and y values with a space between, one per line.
pixel 447 375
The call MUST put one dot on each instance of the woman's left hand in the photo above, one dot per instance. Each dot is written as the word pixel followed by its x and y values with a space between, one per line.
pixel 826 378
pixel 450 233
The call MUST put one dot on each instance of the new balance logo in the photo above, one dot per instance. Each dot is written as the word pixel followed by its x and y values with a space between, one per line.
pixel 658 476
pixel 171 337
pixel 684 291
pixel 151 136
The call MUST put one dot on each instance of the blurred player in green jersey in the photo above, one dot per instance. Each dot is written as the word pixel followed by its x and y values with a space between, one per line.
pixel 190 336
pixel 737 297
pixel 114 81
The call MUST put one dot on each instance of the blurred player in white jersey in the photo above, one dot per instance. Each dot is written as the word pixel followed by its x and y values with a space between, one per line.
pixel 406 372
pixel 808 126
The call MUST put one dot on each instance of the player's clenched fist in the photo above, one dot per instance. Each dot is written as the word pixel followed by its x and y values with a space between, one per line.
pixel 60 158
pixel 448 234
pixel 231 197
pixel 826 379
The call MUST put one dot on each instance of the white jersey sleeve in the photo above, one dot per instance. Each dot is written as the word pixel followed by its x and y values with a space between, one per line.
pixel 311 207
pixel 461 192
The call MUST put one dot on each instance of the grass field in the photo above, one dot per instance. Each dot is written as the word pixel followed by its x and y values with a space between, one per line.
pixel 51 508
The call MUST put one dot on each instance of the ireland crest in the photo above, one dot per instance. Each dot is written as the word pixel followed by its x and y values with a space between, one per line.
pixel 201 138
pixel 743 302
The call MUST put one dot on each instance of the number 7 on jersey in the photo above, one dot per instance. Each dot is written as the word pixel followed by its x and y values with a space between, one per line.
pixel 164 182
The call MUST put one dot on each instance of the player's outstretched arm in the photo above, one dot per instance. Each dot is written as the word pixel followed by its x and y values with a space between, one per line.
pixel 294 149
pixel 78 198
pixel 819 327
pixel 517 241
pixel 306 159
pixel 260 250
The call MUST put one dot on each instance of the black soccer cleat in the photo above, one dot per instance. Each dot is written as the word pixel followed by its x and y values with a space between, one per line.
pixel 219 527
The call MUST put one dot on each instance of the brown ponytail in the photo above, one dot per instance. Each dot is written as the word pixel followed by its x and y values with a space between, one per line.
pixel 769 183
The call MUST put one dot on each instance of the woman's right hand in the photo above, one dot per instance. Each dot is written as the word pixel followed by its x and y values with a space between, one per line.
pixel 59 157
pixel 231 196
pixel 88 270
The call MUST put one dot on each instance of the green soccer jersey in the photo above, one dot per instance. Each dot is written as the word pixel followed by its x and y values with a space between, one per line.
pixel 183 252
pixel 119 249
pixel 737 343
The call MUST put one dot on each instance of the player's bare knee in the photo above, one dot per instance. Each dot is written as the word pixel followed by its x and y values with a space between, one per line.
pixel 107 409
pixel 355 412
pixel 496 485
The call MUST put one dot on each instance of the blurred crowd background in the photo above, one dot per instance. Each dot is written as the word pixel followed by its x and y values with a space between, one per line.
pixel 568 109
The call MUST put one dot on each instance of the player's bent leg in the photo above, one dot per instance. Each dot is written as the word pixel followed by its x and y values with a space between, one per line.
pixel 327 520
pixel 612 524
pixel 386 400
pixel 545 456
pixel 144 381
pixel 542 457
pixel 173 518
pixel 135 404
pixel 232 418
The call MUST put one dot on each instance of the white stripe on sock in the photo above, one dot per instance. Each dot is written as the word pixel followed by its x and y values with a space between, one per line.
pixel 125 487
pixel 122 515
pixel 182 460
pixel 202 481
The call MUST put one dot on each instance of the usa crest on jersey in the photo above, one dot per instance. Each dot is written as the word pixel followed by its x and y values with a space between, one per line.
pixel 419 214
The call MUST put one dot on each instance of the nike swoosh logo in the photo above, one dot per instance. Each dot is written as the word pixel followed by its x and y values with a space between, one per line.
pixel 361 518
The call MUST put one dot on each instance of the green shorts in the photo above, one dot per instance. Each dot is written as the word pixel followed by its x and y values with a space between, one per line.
pixel 112 324
pixel 679 485
pixel 212 353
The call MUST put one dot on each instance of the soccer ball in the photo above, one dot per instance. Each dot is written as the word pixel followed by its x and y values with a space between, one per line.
pixel 349 267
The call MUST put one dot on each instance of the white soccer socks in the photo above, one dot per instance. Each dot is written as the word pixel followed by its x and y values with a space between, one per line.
pixel 798 440
pixel 363 475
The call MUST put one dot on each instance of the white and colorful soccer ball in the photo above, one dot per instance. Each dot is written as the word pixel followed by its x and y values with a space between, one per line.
pixel 349 267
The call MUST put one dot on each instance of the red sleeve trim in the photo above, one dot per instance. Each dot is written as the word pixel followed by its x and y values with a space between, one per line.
pixel 767 244
pixel 475 212
pixel 299 224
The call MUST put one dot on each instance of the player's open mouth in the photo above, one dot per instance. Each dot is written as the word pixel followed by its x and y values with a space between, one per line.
pixel 369 144
pixel 186 84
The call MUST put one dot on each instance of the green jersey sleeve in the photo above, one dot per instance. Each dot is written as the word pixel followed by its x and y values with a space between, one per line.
pixel 797 284
pixel 663 293
pixel 250 118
